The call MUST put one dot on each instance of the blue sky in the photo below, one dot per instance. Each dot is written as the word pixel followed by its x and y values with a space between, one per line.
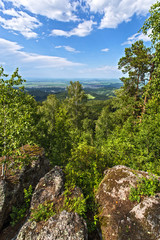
pixel 69 38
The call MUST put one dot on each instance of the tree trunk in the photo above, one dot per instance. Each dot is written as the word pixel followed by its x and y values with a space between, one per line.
pixel 146 98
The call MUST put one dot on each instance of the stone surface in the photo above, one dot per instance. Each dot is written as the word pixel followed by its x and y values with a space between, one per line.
pixel 65 226
pixel 49 187
pixel 120 218
pixel 11 188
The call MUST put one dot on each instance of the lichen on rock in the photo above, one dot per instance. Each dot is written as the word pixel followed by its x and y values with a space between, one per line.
pixel 49 187
pixel 62 225
pixel 120 218
pixel 65 226
pixel 11 188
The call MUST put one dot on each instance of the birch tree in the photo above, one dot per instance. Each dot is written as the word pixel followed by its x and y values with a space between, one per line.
pixel 16 110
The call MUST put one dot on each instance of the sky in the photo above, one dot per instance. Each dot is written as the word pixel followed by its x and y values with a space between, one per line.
pixel 69 38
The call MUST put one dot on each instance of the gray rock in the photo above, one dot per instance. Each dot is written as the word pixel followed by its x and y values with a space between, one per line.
pixel 62 226
pixel 120 218
pixel 11 189
pixel 66 226
pixel 49 187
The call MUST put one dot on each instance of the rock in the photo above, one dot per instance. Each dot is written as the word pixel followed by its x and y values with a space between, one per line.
pixel 61 226
pixel 11 188
pixel 120 218
pixel 49 187
pixel 65 226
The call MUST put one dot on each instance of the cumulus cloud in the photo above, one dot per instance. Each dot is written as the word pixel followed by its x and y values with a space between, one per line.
pixel 118 11
pixel 12 52
pixel 68 48
pixel 138 36
pixel 105 50
pixel 82 30
pixel 21 22
pixel 111 14
pixel 61 10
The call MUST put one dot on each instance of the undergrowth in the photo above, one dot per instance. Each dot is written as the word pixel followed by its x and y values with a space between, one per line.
pixel 145 187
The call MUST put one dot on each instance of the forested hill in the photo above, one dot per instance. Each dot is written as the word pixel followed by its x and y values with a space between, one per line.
pixel 83 137
pixel 96 90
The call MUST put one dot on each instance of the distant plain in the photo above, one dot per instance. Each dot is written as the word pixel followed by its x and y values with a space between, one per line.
pixel 96 89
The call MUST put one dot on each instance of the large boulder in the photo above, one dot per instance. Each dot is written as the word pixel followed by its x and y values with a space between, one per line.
pixel 49 187
pixel 62 225
pixel 120 218
pixel 65 226
pixel 11 188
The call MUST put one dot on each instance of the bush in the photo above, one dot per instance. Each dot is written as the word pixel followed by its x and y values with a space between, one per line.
pixel 145 187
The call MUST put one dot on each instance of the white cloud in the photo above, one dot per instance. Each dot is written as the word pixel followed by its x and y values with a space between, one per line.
pixel 20 22
pixel 12 53
pixel 118 11
pixel 61 10
pixel 68 48
pixel 82 30
pixel 137 37
pixel 11 47
pixel 110 12
pixel 105 50
pixel 1 4
pixel 11 12
pixel 107 68
pixel 57 32
pixel 102 71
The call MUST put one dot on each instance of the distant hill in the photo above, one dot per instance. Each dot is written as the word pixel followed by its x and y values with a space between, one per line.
pixel 97 89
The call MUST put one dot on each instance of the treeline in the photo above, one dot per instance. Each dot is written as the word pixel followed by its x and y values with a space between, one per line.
pixel 82 137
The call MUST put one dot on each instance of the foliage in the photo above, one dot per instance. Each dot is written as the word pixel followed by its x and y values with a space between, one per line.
pixel 151 27
pixel 20 212
pixel 43 212
pixel 137 64
pixel 16 115
pixel 145 187
pixel 74 203
pixel 106 122
pixel 135 145
pixel 53 129
pixel 75 104
pixel 85 170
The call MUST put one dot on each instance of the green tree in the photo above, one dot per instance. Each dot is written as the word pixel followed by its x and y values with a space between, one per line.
pixel 137 64
pixel 53 130
pixel 75 103
pixel 85 169
pixel 151 27
pixel 16 115
pixel 105 123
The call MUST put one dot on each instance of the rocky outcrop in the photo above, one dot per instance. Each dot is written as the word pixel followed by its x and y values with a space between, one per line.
pixel 11 188
pixel 120 218
pixel 65 226
pixel 62 225
pixel 49 187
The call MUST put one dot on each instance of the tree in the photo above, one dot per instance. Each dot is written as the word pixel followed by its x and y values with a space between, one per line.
pixel 151 27
pixel 105 123
pixel 16 110
pixel 54 131
pixel 75 103
pixel 137 64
